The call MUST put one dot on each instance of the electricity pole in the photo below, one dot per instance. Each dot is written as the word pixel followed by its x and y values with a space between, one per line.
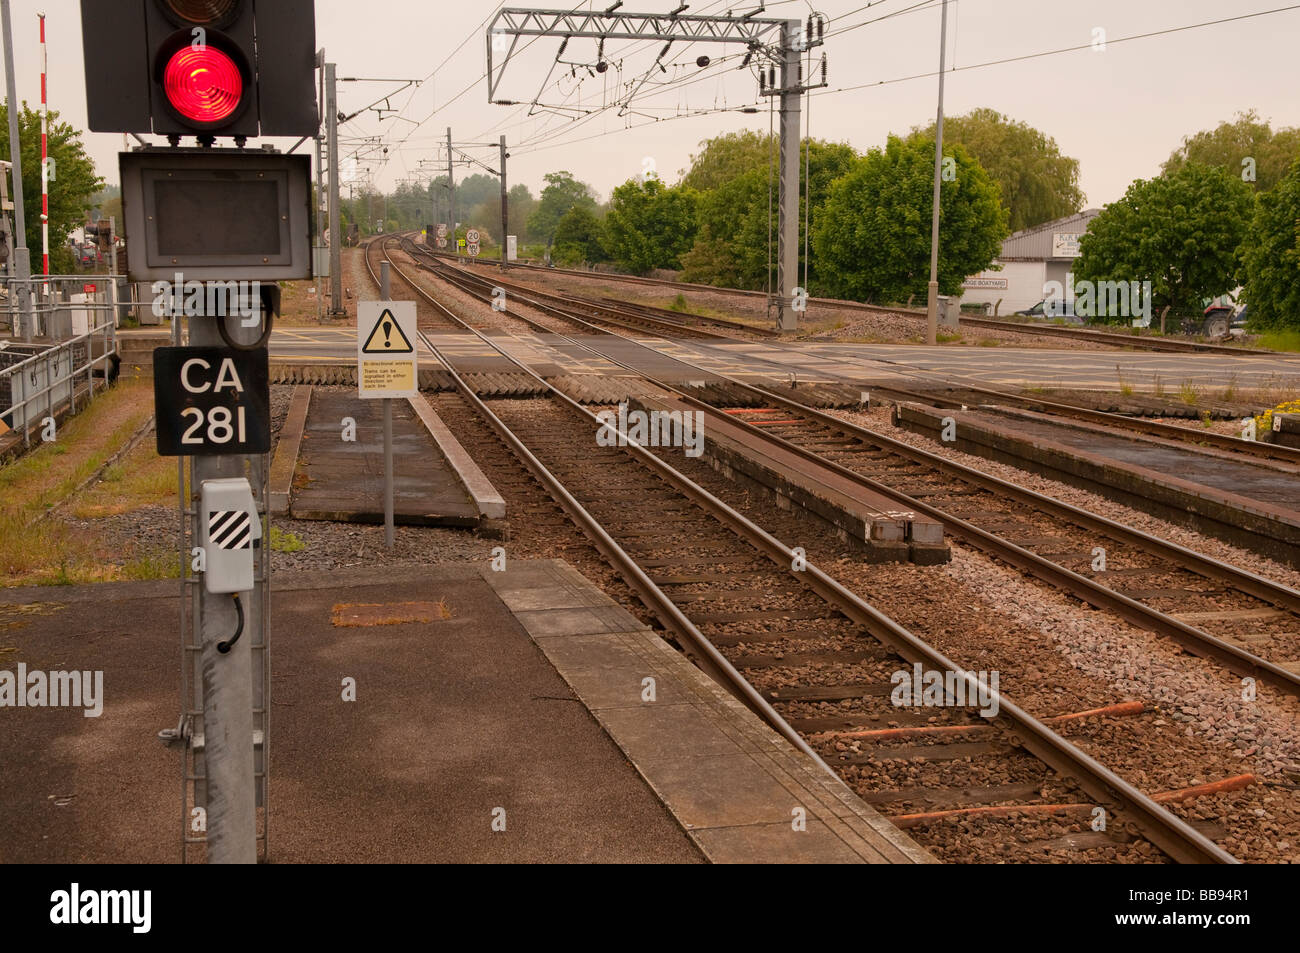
pixel 505 206
pixel 22 263
pixel 451 196
pixel 787 261
pixel 932 308
pixel 336 222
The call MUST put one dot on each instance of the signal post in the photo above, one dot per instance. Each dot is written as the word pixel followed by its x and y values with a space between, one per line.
pixel 214 228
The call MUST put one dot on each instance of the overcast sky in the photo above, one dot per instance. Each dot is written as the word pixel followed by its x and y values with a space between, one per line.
pixel 1120 111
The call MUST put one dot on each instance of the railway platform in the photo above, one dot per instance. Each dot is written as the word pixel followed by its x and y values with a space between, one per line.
pixel 337 478
pixel 1254 503
pixel 498 717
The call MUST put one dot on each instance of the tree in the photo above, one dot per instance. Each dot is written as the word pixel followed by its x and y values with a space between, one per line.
pixel 1271 257
pixel 579 237
pixel 562 193
pixel 73 182
pixel 1246 147
pixel 1037 183
pixel 726 158
pixel 650 225
pixel 738 213
pixel 486 216
pixel 1180 231
pixel 874 237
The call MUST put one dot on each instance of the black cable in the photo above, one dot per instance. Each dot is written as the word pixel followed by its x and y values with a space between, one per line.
pixel 270 303
pixel 232 343
pixel 225 647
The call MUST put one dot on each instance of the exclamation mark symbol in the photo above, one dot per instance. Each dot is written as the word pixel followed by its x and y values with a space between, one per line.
pixel 388 333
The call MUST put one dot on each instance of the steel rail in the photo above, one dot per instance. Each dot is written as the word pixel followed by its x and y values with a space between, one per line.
pixel 1101 337
pixel 713 662
pixel 1152 428
pixel 1205 644
pixel 1166 830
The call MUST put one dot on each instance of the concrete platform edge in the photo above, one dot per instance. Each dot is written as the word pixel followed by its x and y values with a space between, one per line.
pixel 490 503
pixel 729 780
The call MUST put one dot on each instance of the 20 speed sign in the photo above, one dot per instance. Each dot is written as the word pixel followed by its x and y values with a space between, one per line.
pixel 211 400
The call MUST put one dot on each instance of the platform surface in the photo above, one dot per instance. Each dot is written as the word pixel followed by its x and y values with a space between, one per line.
pixel 452 719
pixel 339 480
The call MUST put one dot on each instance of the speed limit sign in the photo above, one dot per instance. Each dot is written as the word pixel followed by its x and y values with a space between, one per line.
pixel 471 236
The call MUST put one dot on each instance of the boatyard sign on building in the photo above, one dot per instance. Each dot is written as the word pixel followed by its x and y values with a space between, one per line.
pixel 1066 244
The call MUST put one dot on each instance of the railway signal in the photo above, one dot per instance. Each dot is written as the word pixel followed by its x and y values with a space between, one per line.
pixel 207 68
pixel 203 221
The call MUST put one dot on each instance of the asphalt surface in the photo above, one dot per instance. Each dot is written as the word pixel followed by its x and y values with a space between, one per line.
pixel 453 719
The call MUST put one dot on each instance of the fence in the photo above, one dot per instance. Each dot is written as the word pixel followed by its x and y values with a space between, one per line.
pixel 68 348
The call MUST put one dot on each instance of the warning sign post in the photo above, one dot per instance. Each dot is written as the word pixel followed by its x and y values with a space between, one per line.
pixel 386 356
pixel 387 367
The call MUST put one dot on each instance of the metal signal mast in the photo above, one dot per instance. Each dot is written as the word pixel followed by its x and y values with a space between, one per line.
pixel 778 42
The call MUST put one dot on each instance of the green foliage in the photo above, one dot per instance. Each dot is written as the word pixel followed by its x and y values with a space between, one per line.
pixel 725 158
pixel 650 225
pixel 73 183
pixel 579 237
pixel 873 240
pixel 1180 232
pixel 1037 183
pixel 732 246
pixel 562 193
pixel 1229 144
pixel 1270 257
pixel 285 542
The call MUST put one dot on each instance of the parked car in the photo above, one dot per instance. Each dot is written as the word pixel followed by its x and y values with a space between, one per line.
pixel 1050 309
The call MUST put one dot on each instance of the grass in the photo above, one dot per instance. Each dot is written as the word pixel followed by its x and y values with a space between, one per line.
pixel 679 304
pixel 1229 393
pixel 1280 340
pixel 1189 393
pixel 284 542
pixel 1125 386
pixel 145 479
pixel 1158 386
pixel 947 338
pixel 35 551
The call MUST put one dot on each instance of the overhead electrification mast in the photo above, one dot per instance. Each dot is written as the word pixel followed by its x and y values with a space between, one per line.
pixel 780 43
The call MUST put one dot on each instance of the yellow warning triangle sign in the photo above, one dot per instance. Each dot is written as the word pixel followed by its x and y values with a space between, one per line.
pixel 4 427
pixel 387 337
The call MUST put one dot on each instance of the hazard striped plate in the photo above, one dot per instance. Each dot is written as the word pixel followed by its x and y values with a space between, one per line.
pixel 230 529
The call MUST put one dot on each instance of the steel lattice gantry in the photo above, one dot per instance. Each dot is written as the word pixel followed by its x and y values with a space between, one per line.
pixel 783 42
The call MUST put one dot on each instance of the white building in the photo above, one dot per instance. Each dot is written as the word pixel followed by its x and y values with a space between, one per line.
pixel 1030 259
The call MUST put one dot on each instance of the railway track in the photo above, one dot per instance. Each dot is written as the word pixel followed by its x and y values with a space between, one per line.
pixel 1141 342
pixel 963 394
pixel 697 564
pixel 1244 622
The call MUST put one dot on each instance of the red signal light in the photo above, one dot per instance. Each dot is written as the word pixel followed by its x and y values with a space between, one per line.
pixel 203 84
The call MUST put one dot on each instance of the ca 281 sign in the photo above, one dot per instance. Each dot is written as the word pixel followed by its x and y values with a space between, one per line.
pixel 211 400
